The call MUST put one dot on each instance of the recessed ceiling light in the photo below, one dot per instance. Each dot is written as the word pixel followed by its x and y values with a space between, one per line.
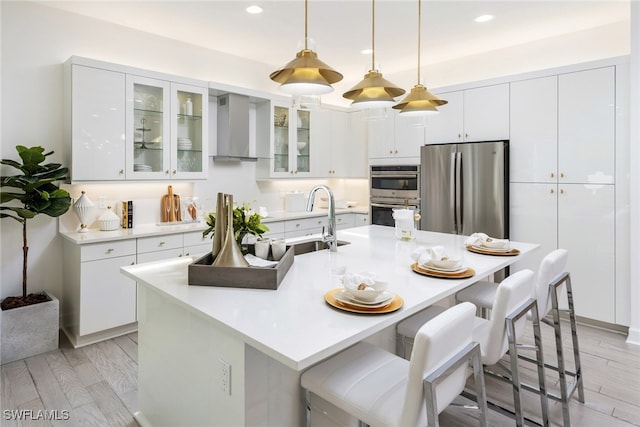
pixel 484 18
pixel 366 51
pixel 255 9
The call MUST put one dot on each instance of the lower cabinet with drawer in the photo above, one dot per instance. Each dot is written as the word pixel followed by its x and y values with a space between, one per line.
pixel 96 296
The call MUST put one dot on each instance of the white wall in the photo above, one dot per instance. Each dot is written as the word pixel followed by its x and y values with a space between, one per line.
pixel 36 40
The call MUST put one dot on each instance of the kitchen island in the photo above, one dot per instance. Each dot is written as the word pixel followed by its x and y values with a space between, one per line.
pixel 213 356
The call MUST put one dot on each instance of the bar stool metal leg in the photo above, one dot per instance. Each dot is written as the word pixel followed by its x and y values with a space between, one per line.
pixel 566 391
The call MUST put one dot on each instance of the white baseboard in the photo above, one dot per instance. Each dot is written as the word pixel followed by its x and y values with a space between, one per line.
pixel 634 336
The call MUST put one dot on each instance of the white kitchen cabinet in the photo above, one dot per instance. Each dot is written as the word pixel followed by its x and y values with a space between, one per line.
pixel 586 126
pixel 123 123
pixel 276 230
pixel 478 114
pixel 305 226
pixel 586 228
pixel 288 154
pixel 534 130
pixel 357 151
pixel 345 220
pixel 361 219
pixel 330 154
pixel 581 219
pixel 96 297
pixel 396 137
pixel 166 138
pixel 195 245
pixel 95 123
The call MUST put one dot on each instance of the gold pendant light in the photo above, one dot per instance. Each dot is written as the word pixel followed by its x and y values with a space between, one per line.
pixel 419 101
pixel 306 74
pixel 374 91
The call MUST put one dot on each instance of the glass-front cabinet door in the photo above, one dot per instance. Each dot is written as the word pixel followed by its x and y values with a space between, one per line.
pixel 148 128
pixel 189 133
pixel 281 138
pixel 291 140
pixel 166 130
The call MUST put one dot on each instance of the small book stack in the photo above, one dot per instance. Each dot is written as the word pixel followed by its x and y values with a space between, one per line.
pixel 127 214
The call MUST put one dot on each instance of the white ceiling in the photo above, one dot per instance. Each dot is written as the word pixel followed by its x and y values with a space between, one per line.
pixel 341 29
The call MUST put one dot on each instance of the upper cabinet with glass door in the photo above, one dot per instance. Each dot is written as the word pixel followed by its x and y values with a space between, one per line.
pixel 289 154
pixel 166 132
pixel 189 131
pixel 124 123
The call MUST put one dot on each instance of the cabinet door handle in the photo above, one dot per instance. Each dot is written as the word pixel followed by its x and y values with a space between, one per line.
pixel 187 254
pixel 552 191
pixel 396 152
pixel 174 171
pixel 561 191
pixel 466 135
pixel 166 172
pixel 561 174
pixel 121 172
pixel 552 175
pixel 133 263
pixel 459 136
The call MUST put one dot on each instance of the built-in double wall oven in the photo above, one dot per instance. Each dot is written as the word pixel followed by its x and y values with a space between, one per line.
pixel 393 187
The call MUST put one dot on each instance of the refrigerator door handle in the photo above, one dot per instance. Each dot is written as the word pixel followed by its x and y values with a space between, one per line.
pixel 458 190
pixel 452 191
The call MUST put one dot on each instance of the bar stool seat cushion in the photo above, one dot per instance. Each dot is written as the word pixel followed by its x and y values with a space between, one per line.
pixel 481 294
pixel 365 381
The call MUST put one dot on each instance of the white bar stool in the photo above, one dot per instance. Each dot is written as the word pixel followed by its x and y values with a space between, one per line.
pixel 381 389
pixel 550 282
pixel 501 333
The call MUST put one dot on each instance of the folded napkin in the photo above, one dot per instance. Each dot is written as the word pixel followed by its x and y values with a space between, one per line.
pixel 255 261
pixel 435 256
pixel 482 239
pixel 353 280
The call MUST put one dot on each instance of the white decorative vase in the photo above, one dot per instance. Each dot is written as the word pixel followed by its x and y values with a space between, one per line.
pixel 82 208
pixel 30 330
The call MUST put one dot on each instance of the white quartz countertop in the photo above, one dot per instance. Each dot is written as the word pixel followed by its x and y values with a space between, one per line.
pixel 95 235
pixel 294 324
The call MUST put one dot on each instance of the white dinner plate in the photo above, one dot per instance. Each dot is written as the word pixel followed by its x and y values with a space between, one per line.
pixel 382 300
pixel 445 270
pixel 483 247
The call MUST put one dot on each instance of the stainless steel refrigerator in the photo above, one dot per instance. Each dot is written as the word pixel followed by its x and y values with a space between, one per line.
pixel 464 188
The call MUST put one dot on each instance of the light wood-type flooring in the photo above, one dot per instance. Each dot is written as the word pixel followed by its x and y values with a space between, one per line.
pixel 97 385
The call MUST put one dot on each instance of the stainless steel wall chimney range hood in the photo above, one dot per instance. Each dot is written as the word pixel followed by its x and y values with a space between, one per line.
pixel 233 128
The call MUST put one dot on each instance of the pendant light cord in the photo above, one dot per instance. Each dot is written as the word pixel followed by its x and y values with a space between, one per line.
pixel 419 34
pixel 373 34
pixel 306 2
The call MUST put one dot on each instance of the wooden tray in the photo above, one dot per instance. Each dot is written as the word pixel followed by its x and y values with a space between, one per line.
pixel 394 305
pixel 489 251
pixel 202 273
pixel 469 272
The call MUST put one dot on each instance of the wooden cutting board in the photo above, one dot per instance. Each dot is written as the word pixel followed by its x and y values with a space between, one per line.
pixel 170 207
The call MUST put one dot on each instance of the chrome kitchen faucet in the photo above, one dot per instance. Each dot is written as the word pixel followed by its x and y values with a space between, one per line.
pixel 331 236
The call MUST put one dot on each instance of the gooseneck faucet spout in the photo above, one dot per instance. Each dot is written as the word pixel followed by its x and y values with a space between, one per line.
pixel 330 237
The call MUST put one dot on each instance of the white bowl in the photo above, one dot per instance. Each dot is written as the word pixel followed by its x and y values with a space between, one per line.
pixel 445 263
pixel 368 293
pixel 496 243
pixel 301 146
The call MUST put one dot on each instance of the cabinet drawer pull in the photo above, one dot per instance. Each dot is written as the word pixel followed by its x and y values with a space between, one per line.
pixel 110 250
pixel 161 243
pixel 297 225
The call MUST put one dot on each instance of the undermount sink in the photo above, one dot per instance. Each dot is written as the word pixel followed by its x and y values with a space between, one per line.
pixel 313 246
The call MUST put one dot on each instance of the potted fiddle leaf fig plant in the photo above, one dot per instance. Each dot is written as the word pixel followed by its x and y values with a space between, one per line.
pixel 30 321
